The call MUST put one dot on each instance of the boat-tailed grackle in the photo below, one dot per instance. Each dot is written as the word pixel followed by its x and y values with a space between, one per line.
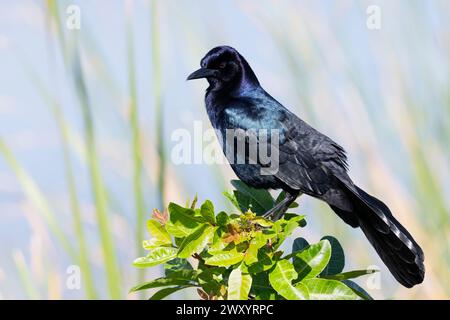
pixel 308 161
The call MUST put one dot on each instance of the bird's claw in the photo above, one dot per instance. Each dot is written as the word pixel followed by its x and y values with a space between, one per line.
pixel 271 215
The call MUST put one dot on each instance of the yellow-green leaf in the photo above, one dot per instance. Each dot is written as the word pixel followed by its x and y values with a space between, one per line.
pixel 281 280
pixel 196 241
pixel 156 256
pixel 262 222
pixel 251 255
pixel 160 282
pixel 313 259
pixel 325 289
pixel 225 258
pixel 349 274
pixel 182 221
pixel 207 211
pixel 217 247
pixel 153 243
pixel 239 285
pixel 157 230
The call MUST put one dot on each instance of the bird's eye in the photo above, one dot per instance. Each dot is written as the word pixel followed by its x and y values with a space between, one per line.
pixel 222 65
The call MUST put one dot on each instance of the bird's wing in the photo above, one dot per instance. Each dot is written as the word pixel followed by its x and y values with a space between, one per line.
pixel 307 158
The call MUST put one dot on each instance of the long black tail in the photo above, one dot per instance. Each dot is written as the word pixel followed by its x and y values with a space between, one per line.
pixel 393 243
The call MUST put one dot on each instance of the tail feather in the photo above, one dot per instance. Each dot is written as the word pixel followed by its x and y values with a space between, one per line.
pixel 393 243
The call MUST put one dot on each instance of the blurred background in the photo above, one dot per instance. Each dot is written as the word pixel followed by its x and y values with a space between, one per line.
pixel 86 118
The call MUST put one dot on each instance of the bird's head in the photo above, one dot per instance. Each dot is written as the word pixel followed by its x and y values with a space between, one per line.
pixel 225 69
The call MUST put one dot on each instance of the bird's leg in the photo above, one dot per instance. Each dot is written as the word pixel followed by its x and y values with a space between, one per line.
pixel 289 199
pixel 279 210
pixel 272 211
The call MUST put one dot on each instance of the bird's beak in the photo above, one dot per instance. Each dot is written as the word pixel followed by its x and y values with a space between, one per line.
pixel 202 73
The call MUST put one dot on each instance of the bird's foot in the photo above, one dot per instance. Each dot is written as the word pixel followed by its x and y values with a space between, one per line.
pixel 267 215
pixel 273 215
pixel 280 209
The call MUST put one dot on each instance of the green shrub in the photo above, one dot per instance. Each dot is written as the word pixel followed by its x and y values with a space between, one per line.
pixel 238 256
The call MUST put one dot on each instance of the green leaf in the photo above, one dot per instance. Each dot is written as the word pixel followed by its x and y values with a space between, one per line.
pixel 262 222
pixel 210 280
pixel 269 234
pixel 299 244
pixel 312 260
pixel 157 230
pixel 245 203
pixel 251 255
pixel 258 200
pixel 154 243
pixel 182 221
pixel 196 241
pixel 261 287
pixel 156 256
pixel 160 282
pixel 325 289
pixel 239 285
pixel 207 211
pixel 222 219
pixel 280 197
pixel 281 280
pixel 337 259
pixel 225 258
pixel 175 265
pixel 357 289
pixel 184 274
pixel 178 241
pixel 264 263
pixel 161 294
pixel 232 198
pixel 284 228
pixel 218 246
pixel 194 202
pixel 350 274
pixel 292 224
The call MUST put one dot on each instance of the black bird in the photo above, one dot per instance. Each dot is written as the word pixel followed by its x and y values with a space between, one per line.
pixel 309 161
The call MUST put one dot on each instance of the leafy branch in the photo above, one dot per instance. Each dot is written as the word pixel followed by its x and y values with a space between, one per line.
pixel 237 256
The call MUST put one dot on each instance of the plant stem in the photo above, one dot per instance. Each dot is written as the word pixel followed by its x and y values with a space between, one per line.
pixel 100 197
pixel 159 116
pixel 136 146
